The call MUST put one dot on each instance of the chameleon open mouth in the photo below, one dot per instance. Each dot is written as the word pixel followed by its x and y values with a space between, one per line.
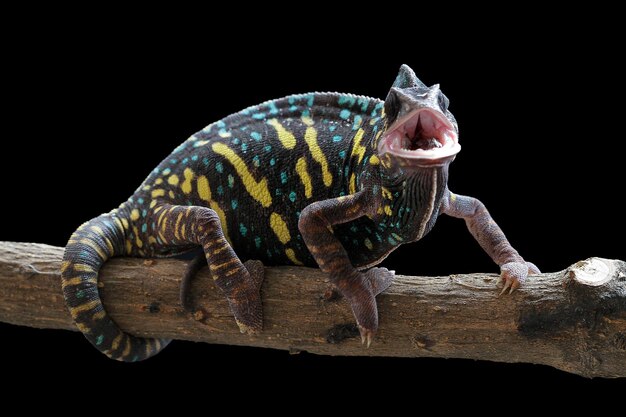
pixel 423 137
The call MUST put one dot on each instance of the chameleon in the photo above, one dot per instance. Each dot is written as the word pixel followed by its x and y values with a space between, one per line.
pixel 321 179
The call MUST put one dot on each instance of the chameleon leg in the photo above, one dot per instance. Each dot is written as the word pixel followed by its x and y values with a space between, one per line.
pixel 87 250
pixel 513 268
pixel 358 288
pixel 241 284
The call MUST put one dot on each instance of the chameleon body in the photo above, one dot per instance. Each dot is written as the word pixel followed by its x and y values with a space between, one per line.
pixel 328 179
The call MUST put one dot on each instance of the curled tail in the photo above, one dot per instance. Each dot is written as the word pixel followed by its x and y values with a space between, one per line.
pixel 89 247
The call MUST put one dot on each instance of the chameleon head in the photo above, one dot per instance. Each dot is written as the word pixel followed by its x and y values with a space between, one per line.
pixel 421 132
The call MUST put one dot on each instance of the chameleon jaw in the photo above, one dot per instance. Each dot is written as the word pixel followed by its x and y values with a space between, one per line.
pixel 424 137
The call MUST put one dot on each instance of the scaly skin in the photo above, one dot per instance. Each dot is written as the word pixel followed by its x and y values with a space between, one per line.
pixel 302 180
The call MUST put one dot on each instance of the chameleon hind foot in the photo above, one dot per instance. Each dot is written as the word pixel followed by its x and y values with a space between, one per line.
pixel 360 290
pixel 244 297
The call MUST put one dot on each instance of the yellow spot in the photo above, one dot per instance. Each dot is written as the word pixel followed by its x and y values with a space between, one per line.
pixel 374 160
pixel 292 256
pixel 171 194
pixel 284 136
pixel 158 193
pixel 357 148
pixel 129 246
pixel 397 237
pixel 125 223
pixel 280 228
pixel 116 342
pixel 388 210
pixel 75 311
pixel 65 266
pixel 257 189
pixel 204 191
pixel 201 143
pixel 146 187
pixel 452 197
pixel 307 120
pixel 173 180
pixel 152 240
pixel 98 315
pixel 368 244
pixel 224 134
pixel 152 203
pixel 382 112
pixel 127 346
pixel 379 210
pixel 304 177
pixel 159 181
pixel 186 185
pixel 386 193
pixel 83 328
pixel 352 185
pixel 134 215
pixel 310 137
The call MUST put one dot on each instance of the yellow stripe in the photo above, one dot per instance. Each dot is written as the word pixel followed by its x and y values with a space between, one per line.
pixel 352 185
pixel 452 197
pixel 280 228
pixel 223 265
pixel 158 193
pixel 94 246
pixel 284 136
pixel 176 233
pixel 75 311
pixel 127 346
pixel 101 233
pixel 186 185
pixel 83 268
pixel 292 256
pixel 204 191
pixel 357 148
pixel 258 190
pixel 310 137
pixel 116 342
pixel 65 265
pixel 77 281
pixel 98 315
pixel 304 177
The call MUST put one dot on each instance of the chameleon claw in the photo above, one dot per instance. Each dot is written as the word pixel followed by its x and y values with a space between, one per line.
pixel 362 339
pixel 369 340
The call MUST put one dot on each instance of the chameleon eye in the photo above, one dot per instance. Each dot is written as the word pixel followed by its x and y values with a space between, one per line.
pixel 443 102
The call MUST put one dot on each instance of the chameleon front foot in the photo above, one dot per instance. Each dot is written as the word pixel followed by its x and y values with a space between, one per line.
pixel 244 298
pixel 513 275
pixel 360 290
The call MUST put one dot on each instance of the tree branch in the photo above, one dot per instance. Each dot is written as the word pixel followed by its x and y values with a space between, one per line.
pixel 574 320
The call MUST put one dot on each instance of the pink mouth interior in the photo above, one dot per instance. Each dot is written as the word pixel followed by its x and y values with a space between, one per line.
pixel 424 134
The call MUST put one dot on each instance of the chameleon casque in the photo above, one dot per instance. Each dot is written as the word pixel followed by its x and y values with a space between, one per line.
pixel 328 179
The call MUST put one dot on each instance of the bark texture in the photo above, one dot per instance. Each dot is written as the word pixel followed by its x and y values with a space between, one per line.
pixel 574 320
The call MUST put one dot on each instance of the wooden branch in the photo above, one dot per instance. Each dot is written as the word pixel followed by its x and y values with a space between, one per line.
pixel 574 320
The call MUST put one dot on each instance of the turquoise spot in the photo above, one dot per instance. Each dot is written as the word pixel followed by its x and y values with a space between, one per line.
pixel 135 358
pixel 306 113
pixel 346 100
pixel 185 160
pixel 257 242
pixel 246 111
pixel 208 128
pixel 244 128
pixel 153 225
pixel 220 123
pixel 279 191
pixel 293 108
pixel 346 171
pixel 205 161
pixel 244 147
pixel 391 241
pixel 256 161
pixel 234 204
pixel 140 200
pixel 268 148
pixel 269 254
pixel 220 190
pixel 144 213
pixel 342 154
pixel 243 229
pixel 342 193
pixel 368 230
pixel 258 116
pixel 194 157
pixel 354 229
pixel 273 109
pixel 80 294
pixel 337 138
pixel 291 100
pixel 363 103
pixel 235 141
pixel 332 128
pixel 159 241
pixel 380 239
pixel 255 135
pixel 99 340
pixel 357 122
pixel 293 196
pixel 309 100
pixel 167 171
pixel 144 227
pixel 231 181
pixel 355 242
pixel 283 177
pixel 156 170
pixel 173 161
pixel 344 114
pixel 272 162
pixel 219 167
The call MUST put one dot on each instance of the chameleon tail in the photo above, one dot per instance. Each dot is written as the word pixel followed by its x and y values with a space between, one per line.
pixel 89 247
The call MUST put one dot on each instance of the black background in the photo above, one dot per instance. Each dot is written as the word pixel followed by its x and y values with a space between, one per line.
pixel 539 109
